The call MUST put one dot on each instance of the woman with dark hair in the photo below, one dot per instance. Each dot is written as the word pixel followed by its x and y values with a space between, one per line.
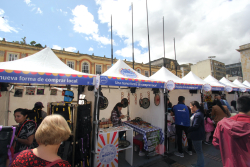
pixel 196 131
pixel 233 106
pixel 25 133
pixel 219 111
pixel 116 116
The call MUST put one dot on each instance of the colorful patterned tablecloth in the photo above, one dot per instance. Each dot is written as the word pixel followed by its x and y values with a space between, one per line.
pixel 144 130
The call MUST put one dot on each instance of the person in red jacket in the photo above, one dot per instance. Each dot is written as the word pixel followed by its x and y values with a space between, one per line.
pixel 232 136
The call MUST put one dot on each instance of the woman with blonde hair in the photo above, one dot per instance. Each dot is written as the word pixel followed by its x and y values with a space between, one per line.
pixel 52 131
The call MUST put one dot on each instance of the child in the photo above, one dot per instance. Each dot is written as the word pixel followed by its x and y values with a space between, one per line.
pixel 209 127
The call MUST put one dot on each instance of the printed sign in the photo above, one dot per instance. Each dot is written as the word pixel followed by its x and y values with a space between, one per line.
pixel 228 89
pixel 170 85
pixel 103 80
pixel 207 87
pixel 128 73
pixel 243 89
pixel 107 150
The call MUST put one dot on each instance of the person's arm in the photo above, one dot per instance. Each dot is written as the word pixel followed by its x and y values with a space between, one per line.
pixel 216 140
pixel 27 141
pixel 210 121
pixel 197 123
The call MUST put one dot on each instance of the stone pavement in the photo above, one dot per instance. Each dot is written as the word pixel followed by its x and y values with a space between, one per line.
pixel 212 159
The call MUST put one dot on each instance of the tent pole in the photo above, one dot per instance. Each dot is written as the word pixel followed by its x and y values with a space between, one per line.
pixel 166 143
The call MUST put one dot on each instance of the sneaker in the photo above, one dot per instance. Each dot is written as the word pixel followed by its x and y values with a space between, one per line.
pixel 136 148
pixel 207 143
pixel 189 152
pixel 141 153
pixel 179 154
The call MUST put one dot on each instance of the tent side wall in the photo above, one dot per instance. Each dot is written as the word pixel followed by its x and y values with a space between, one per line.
pixel 28 101
pixel 174 94
pixel 4 107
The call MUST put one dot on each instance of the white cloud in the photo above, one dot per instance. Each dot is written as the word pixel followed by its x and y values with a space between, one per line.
pixel 70 49
pixel 84 22
pixel 4 23
pixel 59 27
pixel 39 11
pixel 91 49
pixel 57 47
pixel 27 2
pixel 1 38
pixel 86 38
pixel 201 28
pixel 64 12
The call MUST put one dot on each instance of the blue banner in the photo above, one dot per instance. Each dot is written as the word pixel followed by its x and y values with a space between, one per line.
pixel 217 88
pixel 236 89
pixel 44 78
pixel 190 87
pixel 113 81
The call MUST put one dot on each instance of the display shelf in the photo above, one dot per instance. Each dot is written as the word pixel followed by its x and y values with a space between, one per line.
pixel 130 146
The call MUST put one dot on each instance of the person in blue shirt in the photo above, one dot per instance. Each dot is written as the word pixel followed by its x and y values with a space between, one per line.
pixel 182 123
pixel 223 101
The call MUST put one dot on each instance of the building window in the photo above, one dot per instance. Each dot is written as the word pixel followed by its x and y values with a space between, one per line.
pixel 12 57
pixel 98 69
pixel 146 74
pixel 71 64
pixel 138 70
pixel 85 67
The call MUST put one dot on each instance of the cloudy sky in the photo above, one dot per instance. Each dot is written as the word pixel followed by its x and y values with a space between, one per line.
pixel 200 28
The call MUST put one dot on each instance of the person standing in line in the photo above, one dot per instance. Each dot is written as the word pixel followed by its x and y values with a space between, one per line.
pixel 232 136
pixel 182 123
pixel 197 131
pixel 219 111
pixel 233 106
pixel 223 98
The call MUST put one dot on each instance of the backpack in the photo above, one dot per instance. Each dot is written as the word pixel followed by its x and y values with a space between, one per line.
pixel 35 115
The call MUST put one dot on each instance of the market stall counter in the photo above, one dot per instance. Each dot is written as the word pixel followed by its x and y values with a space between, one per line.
pixel 152 136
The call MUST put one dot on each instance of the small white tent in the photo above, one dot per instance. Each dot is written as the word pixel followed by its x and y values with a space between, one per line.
pixel 242 87
pixel 191 77
pixel 216 85
pixel 246 83
pixel 231 86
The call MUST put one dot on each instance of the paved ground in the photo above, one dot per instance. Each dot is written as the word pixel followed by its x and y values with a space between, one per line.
pixel 212 159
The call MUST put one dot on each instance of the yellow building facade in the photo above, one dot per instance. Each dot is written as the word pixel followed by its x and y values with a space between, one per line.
pixel 81 62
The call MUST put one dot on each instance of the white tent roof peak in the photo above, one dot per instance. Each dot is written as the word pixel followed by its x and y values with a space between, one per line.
pixel 165 75
pixel 228 83
pixel 237 82
pixel 115 71
pixel 212 81
pixel 246 83
pixel 191 77
pixel 42 61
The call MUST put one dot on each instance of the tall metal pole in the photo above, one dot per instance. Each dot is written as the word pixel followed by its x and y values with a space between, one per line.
pixel 164 63
pixel 111 44
pixel 133 37
pixel 175 58
pixel 148 40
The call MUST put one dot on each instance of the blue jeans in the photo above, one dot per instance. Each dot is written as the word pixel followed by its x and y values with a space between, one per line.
pixel 198 148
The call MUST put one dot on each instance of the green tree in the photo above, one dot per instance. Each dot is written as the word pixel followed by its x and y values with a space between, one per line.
pixel 32 43
pixel 38 45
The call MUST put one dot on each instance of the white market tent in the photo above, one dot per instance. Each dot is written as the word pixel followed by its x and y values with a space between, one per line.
pixel 191 77
pixel 182 87
pixel 246 83
pixel 229 85
pixel 216 85
pixel 226 82
pixel 242 87
pixel 43 67
pixel 122 77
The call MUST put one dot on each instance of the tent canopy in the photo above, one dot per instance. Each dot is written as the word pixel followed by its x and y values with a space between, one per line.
pixel 242 87
pixel 120 74
pixel 165 75
pixel 216 85
pixel 43 67
pixel 246 83
pixel 226 82
pixel 191 77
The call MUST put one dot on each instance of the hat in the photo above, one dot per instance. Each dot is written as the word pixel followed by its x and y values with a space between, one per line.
pixel 39 105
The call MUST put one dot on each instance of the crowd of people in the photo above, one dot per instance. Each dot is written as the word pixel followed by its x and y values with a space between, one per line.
pixel 231 135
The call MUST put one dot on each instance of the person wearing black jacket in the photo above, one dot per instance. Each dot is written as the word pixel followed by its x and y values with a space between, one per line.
pixel 196 131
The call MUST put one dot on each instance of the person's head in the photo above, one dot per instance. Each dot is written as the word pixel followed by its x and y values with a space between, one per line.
pixel 243 104
pixel 233 103
pixel 53 130
pixel 118 107
pixel 217 102
pixel 38 105
pixel 20 115
pixel 181 99
pixel 217 96
pixel 223 97
pixel 195 105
